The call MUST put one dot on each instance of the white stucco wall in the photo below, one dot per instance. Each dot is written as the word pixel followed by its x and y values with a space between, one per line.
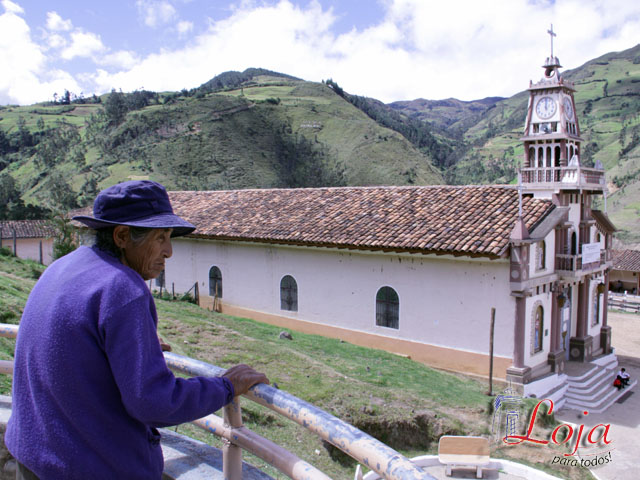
pixel 444 301
pixel 29 248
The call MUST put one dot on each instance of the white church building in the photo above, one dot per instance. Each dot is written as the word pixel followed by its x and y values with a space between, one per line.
pixel 418 270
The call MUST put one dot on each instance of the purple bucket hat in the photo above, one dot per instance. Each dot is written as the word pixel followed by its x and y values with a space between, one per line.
pixel 138 203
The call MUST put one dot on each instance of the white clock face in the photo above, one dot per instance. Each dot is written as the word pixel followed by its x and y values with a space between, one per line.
pixel 546 107
pixel 568 108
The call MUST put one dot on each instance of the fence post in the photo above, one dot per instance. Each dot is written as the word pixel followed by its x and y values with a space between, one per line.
pixel 491 330
pixel 232 454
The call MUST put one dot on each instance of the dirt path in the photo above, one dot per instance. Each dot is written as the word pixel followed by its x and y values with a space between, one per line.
pixel 625 333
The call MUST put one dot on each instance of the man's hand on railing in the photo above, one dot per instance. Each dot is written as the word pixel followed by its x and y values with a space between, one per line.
pixel 243 377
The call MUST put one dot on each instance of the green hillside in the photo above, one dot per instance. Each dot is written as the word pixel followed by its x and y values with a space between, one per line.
pixel 258 130
pixel 608 106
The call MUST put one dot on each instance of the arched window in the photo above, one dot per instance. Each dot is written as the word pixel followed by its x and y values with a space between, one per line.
pixel 387 308
pixel 532 157
pixel 595 319
pixel 541 255
pixel 538 330
pixel 540 157
pixel 215 282
pixel 288 294
pixel 556 159
pixel 548 157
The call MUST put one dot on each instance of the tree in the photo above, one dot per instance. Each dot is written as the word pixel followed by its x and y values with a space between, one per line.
pixel 59 194
pixel 9 194
pixel 5 144
pixel 115 108
pixel 89 191
pixel 25 139
pixel 64 238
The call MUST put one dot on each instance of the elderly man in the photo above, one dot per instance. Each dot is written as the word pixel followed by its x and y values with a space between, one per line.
pixel 90 384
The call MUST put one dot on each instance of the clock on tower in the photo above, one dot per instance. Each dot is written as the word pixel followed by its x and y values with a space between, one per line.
pixel 552 134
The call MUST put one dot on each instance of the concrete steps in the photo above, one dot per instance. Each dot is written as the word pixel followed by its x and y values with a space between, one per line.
pixel 592 390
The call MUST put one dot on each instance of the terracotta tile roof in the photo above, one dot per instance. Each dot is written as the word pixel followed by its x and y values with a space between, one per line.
pixel 628 260
pixel 26 228
pixel 469 220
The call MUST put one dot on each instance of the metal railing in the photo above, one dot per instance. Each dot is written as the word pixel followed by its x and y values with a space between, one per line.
pixel 579 176
pixel 368 451
pixel 624 303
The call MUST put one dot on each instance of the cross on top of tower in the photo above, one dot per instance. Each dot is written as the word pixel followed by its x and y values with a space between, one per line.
pixel 551 34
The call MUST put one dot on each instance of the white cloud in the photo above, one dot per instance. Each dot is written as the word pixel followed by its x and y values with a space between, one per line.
pixel 25 58
pixel 83 44
pixel 465 49
pixel 11 7
pixel 56 23
pixel 55 41
pixel 430 49
pixel 122 59
pixel 156 12
pixel 184 27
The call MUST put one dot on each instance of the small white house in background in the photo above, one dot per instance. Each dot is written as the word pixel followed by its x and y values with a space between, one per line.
pixel 625 273
pixel 28 239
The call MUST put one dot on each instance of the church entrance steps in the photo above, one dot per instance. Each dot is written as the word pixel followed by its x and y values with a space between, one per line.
pixel 610 397
pixel 590 385
pixel 558 395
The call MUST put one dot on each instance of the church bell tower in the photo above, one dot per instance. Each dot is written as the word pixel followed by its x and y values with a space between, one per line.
pixel 552 142
pixel 554 168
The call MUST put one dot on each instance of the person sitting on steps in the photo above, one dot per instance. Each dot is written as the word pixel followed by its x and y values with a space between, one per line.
pixel 624 377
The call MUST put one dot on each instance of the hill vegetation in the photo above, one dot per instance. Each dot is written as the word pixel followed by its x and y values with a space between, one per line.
pixel 258 129
pixel 254 129
pixel 608 110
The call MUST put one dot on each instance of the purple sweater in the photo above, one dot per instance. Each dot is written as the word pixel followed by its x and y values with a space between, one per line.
pixel 90 383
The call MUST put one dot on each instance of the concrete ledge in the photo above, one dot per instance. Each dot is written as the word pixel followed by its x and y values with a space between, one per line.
pixel 189 459
pixel 431 465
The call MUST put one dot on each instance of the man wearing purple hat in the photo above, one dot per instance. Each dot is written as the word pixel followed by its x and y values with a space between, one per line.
pixel 91 385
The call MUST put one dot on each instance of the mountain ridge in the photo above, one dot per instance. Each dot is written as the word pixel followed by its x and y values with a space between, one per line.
pixel 259 128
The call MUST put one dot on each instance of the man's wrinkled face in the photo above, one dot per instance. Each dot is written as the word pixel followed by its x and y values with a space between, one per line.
pixel 146 257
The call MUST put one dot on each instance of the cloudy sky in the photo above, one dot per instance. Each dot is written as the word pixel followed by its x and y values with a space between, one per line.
pixel 386 49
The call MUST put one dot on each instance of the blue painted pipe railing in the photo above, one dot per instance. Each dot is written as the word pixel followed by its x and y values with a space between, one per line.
pixel 372 453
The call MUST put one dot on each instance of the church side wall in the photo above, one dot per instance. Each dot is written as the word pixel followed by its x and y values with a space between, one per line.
pixel 444 302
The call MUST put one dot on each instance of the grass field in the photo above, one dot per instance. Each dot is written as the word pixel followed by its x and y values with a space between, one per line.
pixel 403 403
